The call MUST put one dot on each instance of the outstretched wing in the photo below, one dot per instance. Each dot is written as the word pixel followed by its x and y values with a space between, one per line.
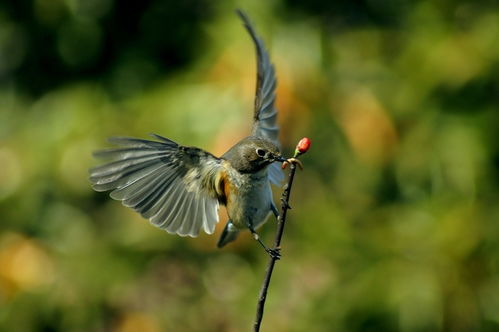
pixel 265 114
pixel 171 185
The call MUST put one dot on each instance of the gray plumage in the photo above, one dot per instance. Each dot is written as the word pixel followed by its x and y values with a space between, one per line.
pixel 179 188
pixel 171 185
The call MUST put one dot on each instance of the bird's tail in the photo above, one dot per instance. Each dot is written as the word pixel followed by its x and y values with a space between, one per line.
pixel 228 235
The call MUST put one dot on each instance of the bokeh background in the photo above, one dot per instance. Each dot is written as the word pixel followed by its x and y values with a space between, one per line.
pixel 395 220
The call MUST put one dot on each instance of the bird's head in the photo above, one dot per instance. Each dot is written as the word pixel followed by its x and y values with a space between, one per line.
pixel 252 154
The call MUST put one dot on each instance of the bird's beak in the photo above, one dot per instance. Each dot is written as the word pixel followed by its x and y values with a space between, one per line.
pixel 280 159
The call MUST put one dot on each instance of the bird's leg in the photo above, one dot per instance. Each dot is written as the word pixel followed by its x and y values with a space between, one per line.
pixel 274 253
pixel 292 161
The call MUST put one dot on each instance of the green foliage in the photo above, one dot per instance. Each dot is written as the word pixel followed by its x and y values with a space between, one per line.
pixel 394 224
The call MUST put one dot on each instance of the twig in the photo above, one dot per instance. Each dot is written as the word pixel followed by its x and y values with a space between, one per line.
pixel 270 267
pixel 302 147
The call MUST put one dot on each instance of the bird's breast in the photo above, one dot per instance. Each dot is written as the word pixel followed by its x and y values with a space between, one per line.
pixel 248 197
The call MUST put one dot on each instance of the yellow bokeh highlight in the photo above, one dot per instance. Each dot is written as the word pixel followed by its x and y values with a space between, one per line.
pixel 24 264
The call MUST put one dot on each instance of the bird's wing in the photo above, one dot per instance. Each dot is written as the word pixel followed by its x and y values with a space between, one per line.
pixel 173 186
pixel 265 114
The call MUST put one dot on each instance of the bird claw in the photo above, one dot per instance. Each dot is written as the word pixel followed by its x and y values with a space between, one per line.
pixel 292 161
pixel 285 203
pixel 275 253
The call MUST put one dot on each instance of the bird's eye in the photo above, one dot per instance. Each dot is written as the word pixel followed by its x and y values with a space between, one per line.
pixel 261 152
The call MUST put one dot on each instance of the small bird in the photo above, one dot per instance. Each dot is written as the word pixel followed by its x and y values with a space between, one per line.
pixel 179 188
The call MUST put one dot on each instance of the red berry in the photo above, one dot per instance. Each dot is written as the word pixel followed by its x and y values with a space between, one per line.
pixel 303 145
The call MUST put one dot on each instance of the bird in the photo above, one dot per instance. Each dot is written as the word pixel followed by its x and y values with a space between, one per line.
pixel 180 188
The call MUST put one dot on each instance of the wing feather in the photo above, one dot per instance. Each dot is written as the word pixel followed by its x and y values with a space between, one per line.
pixel 164 212
pixel 172 214
pixel 124 177
pixel 207 215
pixel 265 86
pixel 140 186
pixel 151 204
pixel 171 185
pixel 189 211
pixel 194 206
pixel 265 113
pixel 137 198
pixel 276 176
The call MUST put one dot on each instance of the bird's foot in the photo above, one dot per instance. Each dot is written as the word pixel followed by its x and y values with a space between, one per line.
pixel 292 161
pixel 275 253
pixel 285 203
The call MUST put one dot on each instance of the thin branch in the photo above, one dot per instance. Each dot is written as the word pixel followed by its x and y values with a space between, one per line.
pixel 280 230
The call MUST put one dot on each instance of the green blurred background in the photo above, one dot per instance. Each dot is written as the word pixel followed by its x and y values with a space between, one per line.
pixel 395 220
